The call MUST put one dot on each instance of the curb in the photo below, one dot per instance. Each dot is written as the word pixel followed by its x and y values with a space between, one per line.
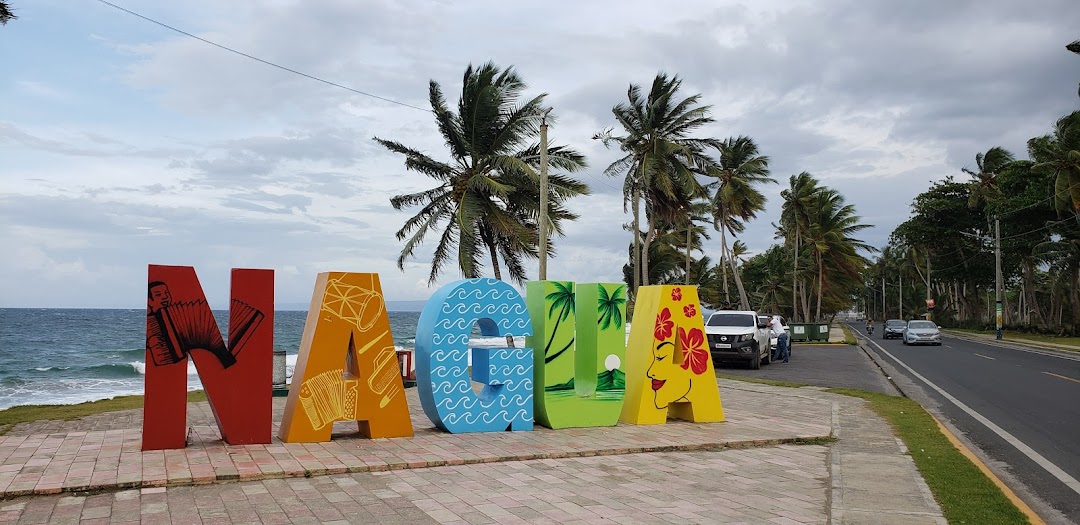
pixel 227 477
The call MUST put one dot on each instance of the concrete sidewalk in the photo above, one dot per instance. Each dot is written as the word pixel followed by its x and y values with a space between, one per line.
pixel 748 469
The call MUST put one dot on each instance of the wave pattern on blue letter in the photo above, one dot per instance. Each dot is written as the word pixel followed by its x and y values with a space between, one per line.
pixel 442 346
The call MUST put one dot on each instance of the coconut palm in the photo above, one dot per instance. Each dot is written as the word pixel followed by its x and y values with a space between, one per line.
pixel 1058 155
pixel 832 226
pixel 487 193
pixel 6 14
pixel 984 187
pixel 739 169
pixel 795 217
pixel 660 158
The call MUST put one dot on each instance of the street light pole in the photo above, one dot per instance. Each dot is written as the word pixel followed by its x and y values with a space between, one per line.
pixel 1000 283
pixel 543 198
pixel 884 314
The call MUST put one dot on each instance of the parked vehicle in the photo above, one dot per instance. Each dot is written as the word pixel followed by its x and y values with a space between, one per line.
pixel 893 328
pixel 922 333
pixel 783 322
pixel 738 336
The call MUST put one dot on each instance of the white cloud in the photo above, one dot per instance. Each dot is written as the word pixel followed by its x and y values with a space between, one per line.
pixel 214 160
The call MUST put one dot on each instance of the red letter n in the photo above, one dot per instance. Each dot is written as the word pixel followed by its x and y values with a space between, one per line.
pixel 236 374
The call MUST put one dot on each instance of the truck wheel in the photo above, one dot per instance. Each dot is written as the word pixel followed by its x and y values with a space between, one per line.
pixel 755 363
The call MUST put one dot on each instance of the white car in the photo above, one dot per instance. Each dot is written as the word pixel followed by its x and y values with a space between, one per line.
pixel 735 335
pixel 922 332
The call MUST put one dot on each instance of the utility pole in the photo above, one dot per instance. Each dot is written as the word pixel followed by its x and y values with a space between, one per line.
pixel 543 197
pixel 929 312
pixel 901 296
pixel 884 314
pixel 1000 281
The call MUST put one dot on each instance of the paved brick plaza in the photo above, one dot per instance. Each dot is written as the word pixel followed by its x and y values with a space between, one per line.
pixel 745 470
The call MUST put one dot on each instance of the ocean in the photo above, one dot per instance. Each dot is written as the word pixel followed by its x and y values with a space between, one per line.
pixel 65 356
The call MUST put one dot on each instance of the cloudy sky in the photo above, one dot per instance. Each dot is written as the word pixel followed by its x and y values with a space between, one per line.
pixel 123 143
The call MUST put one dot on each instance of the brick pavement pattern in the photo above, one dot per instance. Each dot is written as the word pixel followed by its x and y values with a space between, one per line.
pixel 674 473
pixel 92 454
pixel 781 485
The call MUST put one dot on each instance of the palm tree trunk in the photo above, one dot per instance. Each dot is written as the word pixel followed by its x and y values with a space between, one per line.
pixel 820 285
pixel 637 241
pixel 723 265
pixel 1074 296
pixel 743 300
pixel 650 234
pixel 498 275
pixel 1032 300
pixel 795 278
pixel 689 230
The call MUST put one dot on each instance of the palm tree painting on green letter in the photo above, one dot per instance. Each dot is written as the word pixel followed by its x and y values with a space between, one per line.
pixel 563 299
pixel 609 307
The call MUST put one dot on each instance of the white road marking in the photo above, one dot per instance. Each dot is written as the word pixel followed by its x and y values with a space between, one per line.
pixel 1053 469
pixel 985 357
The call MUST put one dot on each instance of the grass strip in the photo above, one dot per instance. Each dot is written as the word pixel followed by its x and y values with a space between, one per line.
pixel 965 494
pixel 849 337
pixel 29 413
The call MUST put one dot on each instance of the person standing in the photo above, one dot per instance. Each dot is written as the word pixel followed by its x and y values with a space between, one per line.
pixel 777 328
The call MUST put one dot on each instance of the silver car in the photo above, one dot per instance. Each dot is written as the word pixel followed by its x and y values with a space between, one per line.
pixel 922 333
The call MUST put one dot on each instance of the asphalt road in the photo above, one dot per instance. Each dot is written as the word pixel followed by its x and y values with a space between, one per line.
pixel 1032 397
pixel 833 366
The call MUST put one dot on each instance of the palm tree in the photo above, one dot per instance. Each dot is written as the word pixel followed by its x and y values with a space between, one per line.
pixel 739 169
pixel 660 158
pixel 1058 155
pixel 795 216
pixel 832 224
pixel 984 187
pixel 487 193
pixel 6 14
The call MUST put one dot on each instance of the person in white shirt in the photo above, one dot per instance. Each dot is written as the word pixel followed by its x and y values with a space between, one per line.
pixel 777 328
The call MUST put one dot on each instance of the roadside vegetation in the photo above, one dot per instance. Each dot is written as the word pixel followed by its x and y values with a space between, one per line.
pixel 30 413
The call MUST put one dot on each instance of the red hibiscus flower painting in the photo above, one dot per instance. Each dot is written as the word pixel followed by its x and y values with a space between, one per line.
pixel 695 357
pixel 689 310
pixel 664 324
pixel 676 294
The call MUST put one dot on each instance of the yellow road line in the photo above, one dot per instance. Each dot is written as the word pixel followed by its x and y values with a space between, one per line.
pixel 1062 377
pixel 1024 508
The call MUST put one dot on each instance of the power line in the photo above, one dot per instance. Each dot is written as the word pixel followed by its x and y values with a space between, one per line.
pixel 257 59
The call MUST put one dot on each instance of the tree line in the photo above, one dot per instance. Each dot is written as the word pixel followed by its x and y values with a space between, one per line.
pixel 948 243
pixel 677 186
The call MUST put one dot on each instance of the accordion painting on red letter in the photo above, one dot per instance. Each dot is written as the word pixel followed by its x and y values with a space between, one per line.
pixel 236 373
